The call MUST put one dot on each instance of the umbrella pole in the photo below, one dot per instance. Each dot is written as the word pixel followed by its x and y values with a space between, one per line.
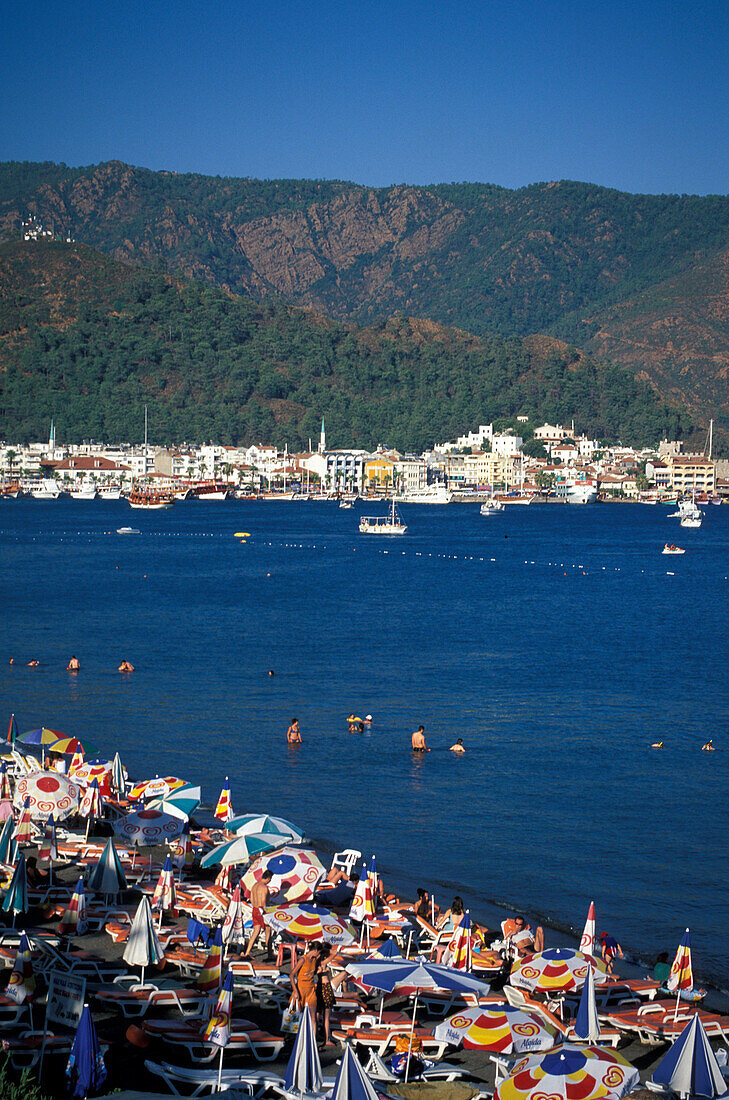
pixel 412 1036
pixel 382 1002
pixel 142 976
pixel 407 949
pixel 220 1064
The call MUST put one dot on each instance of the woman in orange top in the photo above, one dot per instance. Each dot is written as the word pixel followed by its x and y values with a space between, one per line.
pixel 304 978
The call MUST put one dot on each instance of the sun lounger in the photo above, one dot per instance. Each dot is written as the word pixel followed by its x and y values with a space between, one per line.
pixel 377 1070
pixel 193 1082
pixel 244 1037
pixel 657 1021
pixel 134 1000
pixel 610 1035
pixel 381 1039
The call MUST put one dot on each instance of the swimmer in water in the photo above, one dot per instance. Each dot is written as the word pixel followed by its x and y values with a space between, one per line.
pixel 418 740
pixel 293 733
pixel 73 665
pixel 657 745
pixel 33 663
pixel 126 666
pixel 708 747
pixel 458 747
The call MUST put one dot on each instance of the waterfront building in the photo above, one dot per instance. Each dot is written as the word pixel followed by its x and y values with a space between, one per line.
pixel 689 472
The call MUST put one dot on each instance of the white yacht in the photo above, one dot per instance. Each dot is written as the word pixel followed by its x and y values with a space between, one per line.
pixel 84 492
pixel 47 489
pixel 575 490
pixel 492 507
pixel 110 492
pixel 391 524
pixel 429 494
pixel 690 513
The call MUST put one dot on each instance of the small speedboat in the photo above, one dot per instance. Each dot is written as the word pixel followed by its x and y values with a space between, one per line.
pixel 669 548
pixel 127 531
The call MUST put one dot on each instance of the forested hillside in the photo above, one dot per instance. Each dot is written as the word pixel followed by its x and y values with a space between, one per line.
pixel 89 342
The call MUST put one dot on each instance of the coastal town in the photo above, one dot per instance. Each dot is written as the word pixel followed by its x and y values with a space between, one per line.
pixel 559 464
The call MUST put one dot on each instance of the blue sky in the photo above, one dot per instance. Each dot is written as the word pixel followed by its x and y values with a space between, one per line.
pixel 629 95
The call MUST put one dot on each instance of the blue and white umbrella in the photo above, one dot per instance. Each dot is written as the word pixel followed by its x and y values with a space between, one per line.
pixel 181 803
pixel 242 849
pixel 265 823
pixel 352 1082
pixel 16 895
pixel 303 1072
pixel 118 777
pixel 85 1072
pixel 8 846
pixel 389 950
pixel 690 1067
pixel 107 876
pixel 587 1025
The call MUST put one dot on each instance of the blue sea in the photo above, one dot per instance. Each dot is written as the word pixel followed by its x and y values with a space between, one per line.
pixel 557 641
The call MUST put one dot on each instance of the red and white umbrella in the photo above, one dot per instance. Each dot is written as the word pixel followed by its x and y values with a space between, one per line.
pixel 297 871
pixel 234 924
pixel 146 828
pixel 159 787
pixel 556 970
pixel 86 773
pixel 589 936
pixel 91 804
pixel 49 793
pixel 23 832
pixel 499 1027
pixel 224 808
pixel 165 895
pixel 73 921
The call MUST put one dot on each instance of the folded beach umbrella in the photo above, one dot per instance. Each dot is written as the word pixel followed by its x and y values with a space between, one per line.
pixel 681 978
pixel 265 823
pixel 85 1071
pixel 556 970
pixel 299 868
pixel 185 856
pixel 224 808
pixel 21 986
pixel 587 1025
pixel 209 977
pixel 73 922
pixel 8 845
pixel 303 1072
pixel 12 730
pixel 165 896
pixel 143 947
pixel 159 787
pixel 23 833
pixel 5 791
pixel 16 895
pixel 389 950
pixel 363 903
pixel 107 876
pixel 242 849
pixel 501 1028
pixel 145 828
pixel 305 921
pixel 352 1082
pixel 589 936
pixel 48 847
pixel 91 805
pixel 49 793
pixel 233 930
pixel 118 777
pixel 690 1067
pixel 571 1073
pixel 217 1031
pixel 458 951
pixel 77 761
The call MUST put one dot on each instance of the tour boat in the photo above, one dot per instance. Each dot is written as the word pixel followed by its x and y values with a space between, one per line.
pixel 390 524
pixel 520 498
pixel 578 490
pixel 212 490
pixel 85 492
pixel 429 494
pixel 45 492
pixel 156 500
pixel 671 549
pixel 110 492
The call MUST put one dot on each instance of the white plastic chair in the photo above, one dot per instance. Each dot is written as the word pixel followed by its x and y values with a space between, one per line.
pixel 346 859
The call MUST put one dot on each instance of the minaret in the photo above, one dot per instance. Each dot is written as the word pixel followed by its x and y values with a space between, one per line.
pixel 52 439
pixel 322 439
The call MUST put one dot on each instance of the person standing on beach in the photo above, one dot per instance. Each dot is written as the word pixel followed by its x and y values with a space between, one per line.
pixel 610 951
pixel 418 740
pixel 293 733
pixel 259 899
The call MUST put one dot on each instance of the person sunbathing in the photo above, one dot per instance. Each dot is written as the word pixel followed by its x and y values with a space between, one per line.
pixel 336 875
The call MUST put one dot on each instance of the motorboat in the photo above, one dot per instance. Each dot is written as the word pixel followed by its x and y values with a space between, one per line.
pixel 85 492
pixel 669 548
pixel 428 494
pixel 127 531
pixel 391 524
pixel 692 521
pixel 491 507
pixel 110 492
pixel 212 490
pixel 577 490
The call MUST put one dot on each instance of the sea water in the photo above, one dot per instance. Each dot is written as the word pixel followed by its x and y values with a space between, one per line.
pixel 557 641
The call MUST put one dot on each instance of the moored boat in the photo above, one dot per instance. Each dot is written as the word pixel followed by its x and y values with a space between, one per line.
pixel 491 507
pixel 391 524
pixel 151 500
pixel 211 490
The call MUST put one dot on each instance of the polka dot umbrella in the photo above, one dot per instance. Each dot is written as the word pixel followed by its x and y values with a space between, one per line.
pixel 556 970
pixel 297 869
pixel 48 793
pixel 570 1073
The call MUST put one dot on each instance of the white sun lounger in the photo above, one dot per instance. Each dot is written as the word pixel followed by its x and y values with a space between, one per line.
pixel 182 1079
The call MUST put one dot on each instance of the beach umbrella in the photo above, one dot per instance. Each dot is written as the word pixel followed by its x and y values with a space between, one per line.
pixel 363 904
pixel 143 947
pixel 217 1031
pixel 43 737
pixel 389 950
pixel 91 805
pixel 241 849
pixel 352 1082
pixel 85 1071
pixel 690 1067
pixel 69 746
pixel 107 876
pixel 224 880
pixel 589 936
pixel 12 730
pixel 233 930
pixel 73 922
pixel 224 808
pixel 181 803
pixel 303 1071
pixel 118 780
pixel 23 833
pixel 77 762
pixel 299 868
pixel 209 977
pixel 21 986
pixel 48 847
pixel 681 978
pixel 145 828
pixel 49 793
pixel 16 895
pixel 8 845
pixel 165 896
pixel 570 1073
pixel 458 951
pixel 501 1028
pixel 587 1025
pixel 185 856
pixel 159 787
pixel 265 823
pixel 305 921
pixel 5 792
pixel 85 774
pixel 556 970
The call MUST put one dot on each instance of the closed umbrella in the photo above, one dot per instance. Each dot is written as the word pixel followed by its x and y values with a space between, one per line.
pixel 217 1031
pixel 303 1071
pixel 224 808
pixel 570 1073
pixel 242 849
pixel 5 792
pixel 118 775
pixel 363 902
pixel 12 730
pixel 21 986
pixel 73 922
pixel 85 1071
pixel 107 876
pixel 143 947
pixel 48 848
pixel 458 952
pixel 16 895
pixel 587 1024
pixel 352 1082
pixel 8 846
pixel 23 833
pixel 233 930
pixel 589 937
pixel 209 977
pixel 91 804
pixel 164 896
pixel 681 978
pixel 690 1067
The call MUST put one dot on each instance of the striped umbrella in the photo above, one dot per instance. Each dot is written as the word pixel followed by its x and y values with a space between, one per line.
pixel 682 976
pixel 209 977
pixel 238 913
pixel 587 1023
pixel 91 805
pixel 264 823
pixel 73 922
pixel 241 849
pixel 299 868
pixel 21 986
pixel 145 828
pixel 77 761
pixel 69 746
pixel 12 730
pixel 557 970
pixel 497 1027
pixel 458 952
pixel 309 922
pixel 118 780
pixel 570 1073
pixel 143 947
pixel 24 829
pixel 159 787
pixel 690 1067
pixel 184 856
pixel 181 803
pixel 352 1082
pixel 5 792
pixel 107 876
pixel 303 1071
pixel 43 737
pixel 8 845
pixel 49 793
pixel 16 895
pixel 589 936
pixel 224 808
pixel 85 774
pixel 165 896
pixel 48 848
pixel 217 1031
pixel 363 903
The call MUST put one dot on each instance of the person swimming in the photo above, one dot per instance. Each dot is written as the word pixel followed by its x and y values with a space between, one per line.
pixel 657 745
pixel 126 666
pixel 73 665
pixel 708 747
pixel 458 747
pixel 418 740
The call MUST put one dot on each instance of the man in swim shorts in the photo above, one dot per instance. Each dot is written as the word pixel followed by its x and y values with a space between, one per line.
pixel 259 899
pixel 73 665
pixel 418 740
